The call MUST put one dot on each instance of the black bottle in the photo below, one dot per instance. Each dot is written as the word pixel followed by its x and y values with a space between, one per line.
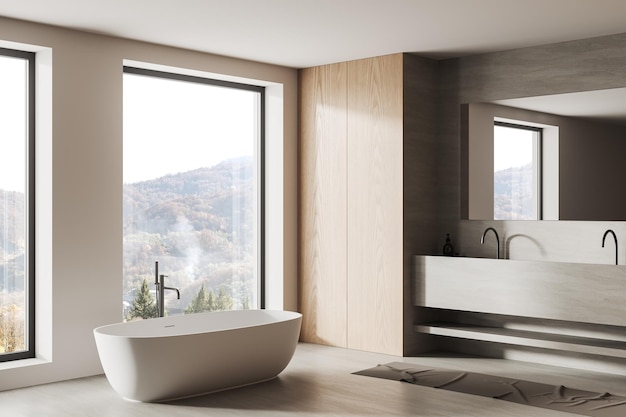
pixel 448 250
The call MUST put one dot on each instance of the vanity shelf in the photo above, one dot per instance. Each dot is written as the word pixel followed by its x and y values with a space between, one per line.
pixel 527 338
pixel 551 306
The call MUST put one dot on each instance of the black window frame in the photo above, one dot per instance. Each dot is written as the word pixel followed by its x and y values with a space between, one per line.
pixel 241 86
pixel 539 132
pixel 29 285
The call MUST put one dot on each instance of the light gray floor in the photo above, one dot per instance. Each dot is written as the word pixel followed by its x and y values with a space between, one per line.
pixel 318 382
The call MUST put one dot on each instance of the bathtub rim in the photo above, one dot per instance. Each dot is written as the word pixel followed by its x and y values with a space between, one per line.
pixel 101 330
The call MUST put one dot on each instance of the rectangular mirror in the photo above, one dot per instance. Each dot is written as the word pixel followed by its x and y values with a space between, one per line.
pixel 578 164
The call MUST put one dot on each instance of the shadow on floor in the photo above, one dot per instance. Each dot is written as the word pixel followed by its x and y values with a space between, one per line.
pixel 293 392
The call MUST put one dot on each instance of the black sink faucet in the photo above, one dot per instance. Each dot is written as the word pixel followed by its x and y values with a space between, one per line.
pixel 614 238
pixel 482 240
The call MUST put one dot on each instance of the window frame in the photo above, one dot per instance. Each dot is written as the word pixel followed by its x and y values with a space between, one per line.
pixel 129 69
pixel 538 167
pixel 29 285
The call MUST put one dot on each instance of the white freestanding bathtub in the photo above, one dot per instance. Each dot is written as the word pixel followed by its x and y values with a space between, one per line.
pixel 181 356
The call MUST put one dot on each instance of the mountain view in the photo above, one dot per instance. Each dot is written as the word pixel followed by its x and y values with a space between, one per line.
pixel 513 193
pixel 12 249
pixel 12 241
pixel 200 226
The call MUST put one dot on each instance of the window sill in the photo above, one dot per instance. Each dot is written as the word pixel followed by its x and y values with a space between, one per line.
pixel 23 363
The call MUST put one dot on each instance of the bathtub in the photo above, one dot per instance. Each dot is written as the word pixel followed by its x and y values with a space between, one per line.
pixel 182 356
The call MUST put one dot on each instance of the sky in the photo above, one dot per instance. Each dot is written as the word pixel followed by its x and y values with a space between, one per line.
pixel 175 126
pixel 169 126
pixel 512 147
pixel 13 128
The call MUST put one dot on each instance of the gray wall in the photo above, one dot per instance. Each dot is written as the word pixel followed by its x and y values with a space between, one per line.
pixel 592 165
pixel 588 64
pixel 419 171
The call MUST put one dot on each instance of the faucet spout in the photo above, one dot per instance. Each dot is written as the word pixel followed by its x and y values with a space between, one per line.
pixel 173 289
pixel 615 239
pixel 482 240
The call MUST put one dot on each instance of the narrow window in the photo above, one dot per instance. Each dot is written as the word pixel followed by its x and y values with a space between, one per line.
pixel 17 213
pixel 193 193
pixel 517 172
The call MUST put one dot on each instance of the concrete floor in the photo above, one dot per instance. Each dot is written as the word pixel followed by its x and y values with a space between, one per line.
pixel 318 382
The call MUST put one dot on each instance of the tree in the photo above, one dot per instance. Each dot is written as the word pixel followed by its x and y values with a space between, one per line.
pixel 201 302
pixel 208 302
pixel 11 330
pixel 245 305
pixel 144 305
pixel 212 301
pixel 224 300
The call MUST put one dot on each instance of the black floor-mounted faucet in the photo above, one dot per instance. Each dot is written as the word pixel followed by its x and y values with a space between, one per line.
pixel 159 281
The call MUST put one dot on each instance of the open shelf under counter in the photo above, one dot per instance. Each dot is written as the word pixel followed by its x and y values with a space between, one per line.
pixel 594 346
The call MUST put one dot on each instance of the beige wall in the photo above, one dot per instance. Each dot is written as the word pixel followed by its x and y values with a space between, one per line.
pixel 80 187
pixel 582 65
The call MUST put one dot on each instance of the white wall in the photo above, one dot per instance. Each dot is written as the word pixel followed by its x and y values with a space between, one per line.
pixel 80 195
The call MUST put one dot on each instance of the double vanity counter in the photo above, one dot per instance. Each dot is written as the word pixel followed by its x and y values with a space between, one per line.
pixel 571 307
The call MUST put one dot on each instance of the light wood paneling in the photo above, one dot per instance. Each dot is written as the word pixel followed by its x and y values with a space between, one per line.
pixel 389 197
pixel 322 283
pixel 375 204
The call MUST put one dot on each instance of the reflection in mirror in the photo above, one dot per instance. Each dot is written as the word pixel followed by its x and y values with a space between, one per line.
pixel 583 154
pixel 516 173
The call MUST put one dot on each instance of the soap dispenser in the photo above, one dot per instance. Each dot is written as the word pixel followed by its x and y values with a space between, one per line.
pixel 448 250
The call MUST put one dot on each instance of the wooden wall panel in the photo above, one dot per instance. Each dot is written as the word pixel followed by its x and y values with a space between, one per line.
pixel 374 208
pixel 322 265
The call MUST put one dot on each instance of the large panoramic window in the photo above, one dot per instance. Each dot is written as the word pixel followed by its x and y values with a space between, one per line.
pixel 17 228
pixel 517 172
pixel 192 194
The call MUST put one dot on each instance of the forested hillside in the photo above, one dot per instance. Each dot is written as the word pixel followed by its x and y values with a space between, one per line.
pixel 513 193
pixel 12 241
pixel 193 226
pixel 12 246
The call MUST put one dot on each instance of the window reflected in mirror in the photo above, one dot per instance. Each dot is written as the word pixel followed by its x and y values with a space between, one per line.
pixel 517 172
